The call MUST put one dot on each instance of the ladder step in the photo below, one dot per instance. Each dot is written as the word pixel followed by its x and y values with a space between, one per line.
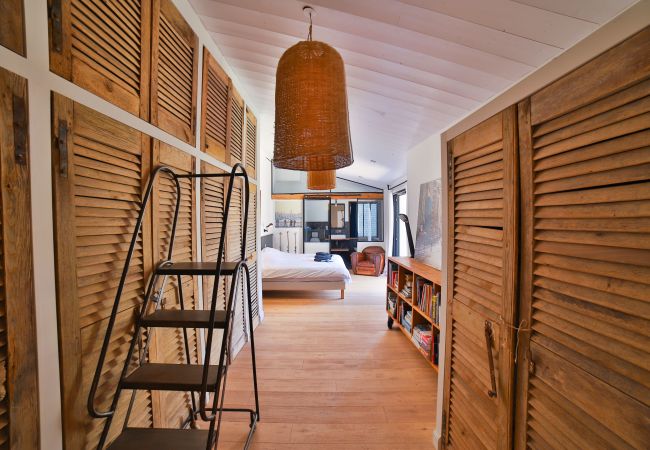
pixel 196 268
pixel 176 318
pixel 170 377
pixel 160 439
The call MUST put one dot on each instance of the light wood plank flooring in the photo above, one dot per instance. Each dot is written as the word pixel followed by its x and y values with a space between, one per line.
pixel 332 376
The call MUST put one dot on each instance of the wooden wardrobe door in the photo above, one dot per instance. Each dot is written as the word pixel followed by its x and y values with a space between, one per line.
pixel 251 144
pixel 481 284
pixel 99 171
pixel 584 377
pixel 235 146
pixel 19 424
pixel 214 107
pixel 251 248
pixel 234 236
pixel 212 207
pixel 169 342
pixel 12 31
pixel 104 47
pixel 174 72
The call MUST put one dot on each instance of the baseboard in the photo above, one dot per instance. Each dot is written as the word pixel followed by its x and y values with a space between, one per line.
pixel 436 440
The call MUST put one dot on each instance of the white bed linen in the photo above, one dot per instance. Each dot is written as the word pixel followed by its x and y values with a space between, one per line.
pixel 282 266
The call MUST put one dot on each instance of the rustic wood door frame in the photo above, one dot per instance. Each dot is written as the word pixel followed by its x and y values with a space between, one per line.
pixel 19 390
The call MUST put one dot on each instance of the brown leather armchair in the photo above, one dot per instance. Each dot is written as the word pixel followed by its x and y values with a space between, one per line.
pixel 370 261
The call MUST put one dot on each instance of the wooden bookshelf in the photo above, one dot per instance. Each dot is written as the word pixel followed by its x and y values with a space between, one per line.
pixel 426 314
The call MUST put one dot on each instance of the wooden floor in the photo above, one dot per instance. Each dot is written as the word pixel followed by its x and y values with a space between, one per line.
pixel 332 376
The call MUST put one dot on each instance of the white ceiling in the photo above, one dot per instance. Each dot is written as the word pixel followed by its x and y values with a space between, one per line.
pixel 413 66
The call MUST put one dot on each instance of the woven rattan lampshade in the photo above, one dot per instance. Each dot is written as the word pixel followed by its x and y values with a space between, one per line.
pixel 311 109
pixel 321 180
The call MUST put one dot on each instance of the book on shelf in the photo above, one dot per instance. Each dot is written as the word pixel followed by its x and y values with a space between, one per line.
pixel 436 349
pixel 393 277
pixel 391 303
pixel 426 298
pixel 423 336
pixel 407 319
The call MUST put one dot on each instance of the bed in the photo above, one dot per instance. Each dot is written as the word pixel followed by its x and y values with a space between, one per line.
pixel 299 272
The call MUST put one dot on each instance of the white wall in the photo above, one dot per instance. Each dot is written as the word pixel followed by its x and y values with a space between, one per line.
pixel 423 164
pixel 35 68
pixel 267 214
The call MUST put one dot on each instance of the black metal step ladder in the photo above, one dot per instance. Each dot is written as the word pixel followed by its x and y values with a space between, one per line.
pixel 203 379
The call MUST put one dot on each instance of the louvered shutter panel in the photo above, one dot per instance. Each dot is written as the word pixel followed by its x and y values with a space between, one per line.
pixel 251 248
pixel 236 125
pixel 255 299
pixel 212 208
pixel 584 381
pixel 174 72
pixel 234 234
pixel 251 231
pixel 98 181
pixel 214 108
pixel 169 342
pixel 12 31
pixel 104 47
pixel 481 282
pixel 19 425
pixel 251 144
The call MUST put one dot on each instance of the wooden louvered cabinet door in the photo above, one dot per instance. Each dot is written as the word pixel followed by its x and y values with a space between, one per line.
pixel 234 241
pixel 214 107
pixel 168 343
pixel 104 47
pixel 99 170
pixel 251 248
pixel 584 377
pixel 250 156
pixel 174 72
pixel 12 31
pixel 19 425
pixel 236 124
pixel 481 282
pixel 212 208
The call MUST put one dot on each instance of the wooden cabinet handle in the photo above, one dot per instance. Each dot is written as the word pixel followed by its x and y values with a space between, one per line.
pixel 488 344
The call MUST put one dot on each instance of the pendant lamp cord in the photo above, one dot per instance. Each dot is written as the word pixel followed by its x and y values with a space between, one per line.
pixel 310 26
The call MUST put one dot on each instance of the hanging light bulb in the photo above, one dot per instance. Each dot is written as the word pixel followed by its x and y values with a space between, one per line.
pixel 321 180
pixel 312 131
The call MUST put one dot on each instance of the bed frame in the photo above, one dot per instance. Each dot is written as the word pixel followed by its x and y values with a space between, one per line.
pixel 271 285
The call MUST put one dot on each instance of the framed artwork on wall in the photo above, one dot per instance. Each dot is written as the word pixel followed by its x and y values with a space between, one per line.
pixel 288 213
pixel 428 241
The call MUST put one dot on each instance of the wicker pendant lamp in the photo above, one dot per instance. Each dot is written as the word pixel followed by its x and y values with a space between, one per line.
pixel 311 108
pixel 321 180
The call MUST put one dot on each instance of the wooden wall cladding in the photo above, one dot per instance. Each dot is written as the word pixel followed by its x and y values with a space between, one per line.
pixel 12 31
pixel 251 248
pixel 585 293
pixel 234 233
pixel 481 282
pixel 99 169
pixel 104 47
pixel 174 72
pixel 171 408
pixel 212 208
pixel 251 144
pixel 236 124
pixel 214 107
pixel 19 424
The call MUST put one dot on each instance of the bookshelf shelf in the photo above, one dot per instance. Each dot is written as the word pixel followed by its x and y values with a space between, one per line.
pixel 415 315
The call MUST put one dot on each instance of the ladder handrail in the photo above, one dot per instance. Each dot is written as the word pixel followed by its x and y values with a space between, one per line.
pixel 138 227
pixel 118 294
pixel 215 288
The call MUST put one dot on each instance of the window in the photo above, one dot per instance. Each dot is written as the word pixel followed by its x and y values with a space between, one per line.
pixel 370 221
